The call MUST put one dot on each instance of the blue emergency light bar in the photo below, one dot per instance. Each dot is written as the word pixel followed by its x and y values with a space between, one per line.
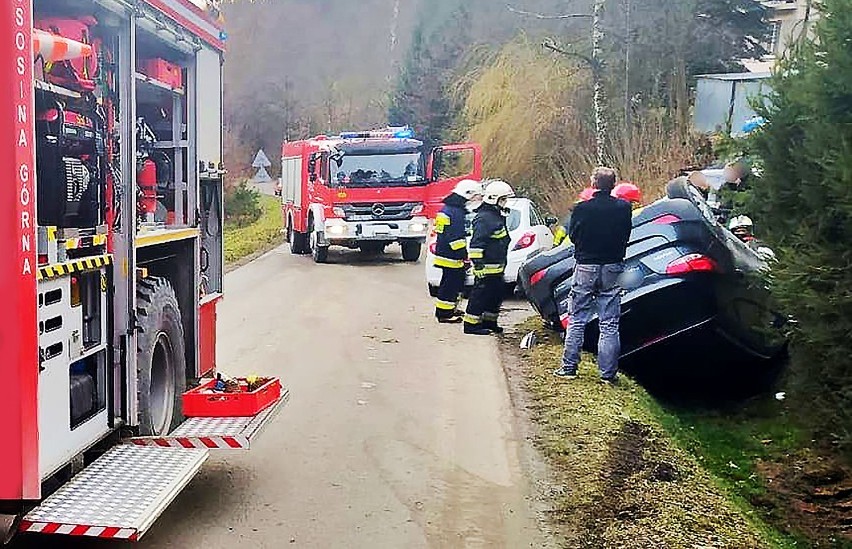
pixel 403 132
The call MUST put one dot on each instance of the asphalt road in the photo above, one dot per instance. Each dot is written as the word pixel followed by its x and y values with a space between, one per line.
pixel 399 431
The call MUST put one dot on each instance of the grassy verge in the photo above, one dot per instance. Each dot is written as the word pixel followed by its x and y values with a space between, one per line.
pixel 626 470
pixel 242 242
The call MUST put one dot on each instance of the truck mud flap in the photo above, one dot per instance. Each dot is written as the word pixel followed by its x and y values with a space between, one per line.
pixel 216 433
pixel 119 496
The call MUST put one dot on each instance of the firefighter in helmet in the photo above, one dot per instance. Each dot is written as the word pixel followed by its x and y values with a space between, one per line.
pixel 489 249
pixel 629 192
pixel 562 231
pixel 743 228
pixel 451 249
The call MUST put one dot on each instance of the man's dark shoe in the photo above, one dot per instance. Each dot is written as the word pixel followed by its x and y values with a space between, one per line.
pixel 449 320
pixel 493 327
pixel 565 373
pixel 476 329
pixel 611 381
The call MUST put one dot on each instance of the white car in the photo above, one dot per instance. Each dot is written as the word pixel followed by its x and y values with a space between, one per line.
pixel 530 234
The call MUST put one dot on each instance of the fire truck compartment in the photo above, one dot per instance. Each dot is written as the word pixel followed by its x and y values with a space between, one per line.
pixel 73 415
pixel 217 433
pixel 119 496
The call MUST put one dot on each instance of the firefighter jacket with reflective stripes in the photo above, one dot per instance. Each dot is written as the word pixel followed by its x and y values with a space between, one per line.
pixel 451 245
pixel 489 247
pixel 561 234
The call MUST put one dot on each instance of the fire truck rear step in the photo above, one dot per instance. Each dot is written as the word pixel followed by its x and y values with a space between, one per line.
pixel 216 433
pixel 119 496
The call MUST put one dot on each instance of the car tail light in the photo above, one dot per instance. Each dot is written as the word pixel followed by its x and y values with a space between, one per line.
pixel 525 242
pixel 666 219
pixel 536 277
pixel 433 248
pixel 692 263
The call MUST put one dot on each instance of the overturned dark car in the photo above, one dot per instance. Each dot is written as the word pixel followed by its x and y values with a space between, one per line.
pixel 689 285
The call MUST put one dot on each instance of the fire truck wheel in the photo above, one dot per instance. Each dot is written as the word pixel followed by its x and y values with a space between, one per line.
pixel 318 252
pixel 411 251
pixel 161 362
pixel 298 241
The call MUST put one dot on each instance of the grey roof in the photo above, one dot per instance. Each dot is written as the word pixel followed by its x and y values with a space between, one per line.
pixel 737 76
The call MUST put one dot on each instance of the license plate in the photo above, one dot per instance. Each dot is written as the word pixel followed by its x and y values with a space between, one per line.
pixel 362 218
pixel 381 229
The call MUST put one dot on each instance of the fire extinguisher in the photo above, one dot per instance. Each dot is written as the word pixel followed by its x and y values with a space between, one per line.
pixel 146 178
pixel 146 170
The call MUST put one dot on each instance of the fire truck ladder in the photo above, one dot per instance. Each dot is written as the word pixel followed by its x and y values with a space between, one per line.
pixel 123 492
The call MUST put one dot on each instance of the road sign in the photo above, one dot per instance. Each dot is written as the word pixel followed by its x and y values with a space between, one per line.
pixel 261 161
pixel 262 176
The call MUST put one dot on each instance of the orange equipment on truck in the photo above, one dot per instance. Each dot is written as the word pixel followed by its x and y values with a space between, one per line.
pixel 368 189
pixel 111 269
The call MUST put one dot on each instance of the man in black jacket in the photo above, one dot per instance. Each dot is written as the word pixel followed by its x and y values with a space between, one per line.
pixel 600 230
pixel 489 249
pixel 451 249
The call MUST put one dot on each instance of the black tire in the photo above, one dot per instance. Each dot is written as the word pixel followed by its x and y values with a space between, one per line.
pixel 433 290
pixel 160 358
pixel 298 241
pixel 411 251
pixel 678 188
pixel 319 253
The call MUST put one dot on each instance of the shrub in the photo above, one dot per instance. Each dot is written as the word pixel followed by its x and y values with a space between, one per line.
pixel 242 205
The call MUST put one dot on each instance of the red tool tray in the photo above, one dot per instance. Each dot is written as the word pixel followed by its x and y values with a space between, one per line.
pixel 163 71
pixel 199 402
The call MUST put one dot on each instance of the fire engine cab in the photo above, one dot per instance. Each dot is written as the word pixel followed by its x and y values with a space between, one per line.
pixel 368 189
pixel 111 264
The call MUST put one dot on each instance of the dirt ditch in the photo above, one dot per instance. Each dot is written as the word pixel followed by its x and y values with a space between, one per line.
pixel 606 473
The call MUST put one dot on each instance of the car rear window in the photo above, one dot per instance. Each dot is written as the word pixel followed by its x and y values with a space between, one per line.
pixel 513 221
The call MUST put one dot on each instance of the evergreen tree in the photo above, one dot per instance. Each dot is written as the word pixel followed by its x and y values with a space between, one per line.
pixel 421 98
pixel 805 202
pixel 669 42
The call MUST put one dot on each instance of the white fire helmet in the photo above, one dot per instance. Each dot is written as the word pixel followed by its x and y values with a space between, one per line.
pixel 497 190
pixel 468 189
pixel 741 222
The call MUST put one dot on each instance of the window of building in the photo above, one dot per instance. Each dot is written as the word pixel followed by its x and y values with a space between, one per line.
pixel 774 37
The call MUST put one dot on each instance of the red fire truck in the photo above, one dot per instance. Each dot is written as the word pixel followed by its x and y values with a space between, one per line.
pixel 368 189
pixel 110 150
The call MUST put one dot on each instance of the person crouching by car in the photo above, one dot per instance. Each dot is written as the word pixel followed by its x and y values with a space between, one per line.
pixel 451 249
pixel 489 250
pixel 600 230
pixel 743 228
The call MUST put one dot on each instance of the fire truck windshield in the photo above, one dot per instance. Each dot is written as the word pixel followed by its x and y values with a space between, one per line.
pixel 378 170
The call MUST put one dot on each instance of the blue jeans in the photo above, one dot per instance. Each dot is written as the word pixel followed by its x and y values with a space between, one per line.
pixel 595 285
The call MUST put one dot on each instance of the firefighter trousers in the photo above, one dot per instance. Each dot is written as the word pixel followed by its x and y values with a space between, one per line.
pixel 449 292
pixel 483 307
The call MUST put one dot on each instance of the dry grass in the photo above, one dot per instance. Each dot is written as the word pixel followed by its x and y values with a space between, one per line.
pixel 527 110
pixel 532 113
pixel 654 149
pixel 619 479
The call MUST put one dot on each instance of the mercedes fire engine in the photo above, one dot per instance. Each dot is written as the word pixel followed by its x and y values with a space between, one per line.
pixel 368 189
pixel 110 150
